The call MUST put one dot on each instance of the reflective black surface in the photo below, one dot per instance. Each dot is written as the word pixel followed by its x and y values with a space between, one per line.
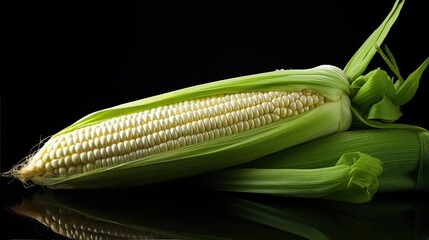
pixel 179 211
pixel 66 60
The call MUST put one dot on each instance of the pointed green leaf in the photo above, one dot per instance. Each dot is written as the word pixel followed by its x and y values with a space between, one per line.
pixel 408 89
pixel 360 60
pixel 391 62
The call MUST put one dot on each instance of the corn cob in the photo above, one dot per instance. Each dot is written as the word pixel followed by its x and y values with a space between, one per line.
pixel 192 131
pixel 154 139
pixel 403 153
pixel 138 135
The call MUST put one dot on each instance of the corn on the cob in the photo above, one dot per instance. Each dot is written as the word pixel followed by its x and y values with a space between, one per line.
pixel 190 131
pixel 138 135
pixel 404 154
pixel 193 130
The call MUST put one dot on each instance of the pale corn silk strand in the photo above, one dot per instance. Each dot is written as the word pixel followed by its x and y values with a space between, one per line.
pixel 423 171
pixel 135 136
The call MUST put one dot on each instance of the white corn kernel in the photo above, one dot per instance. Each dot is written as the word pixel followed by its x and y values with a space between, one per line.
pixel 137 135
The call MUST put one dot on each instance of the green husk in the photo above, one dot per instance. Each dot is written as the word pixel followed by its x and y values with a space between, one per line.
pixel 403 152
pixel 354 178
pixel 377 99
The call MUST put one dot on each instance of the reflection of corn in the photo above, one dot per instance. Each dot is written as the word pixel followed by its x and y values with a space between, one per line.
pixel 77 226
pixel 193 130
pixel 135 136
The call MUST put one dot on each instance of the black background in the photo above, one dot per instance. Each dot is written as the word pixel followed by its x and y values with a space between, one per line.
pixel 63 60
